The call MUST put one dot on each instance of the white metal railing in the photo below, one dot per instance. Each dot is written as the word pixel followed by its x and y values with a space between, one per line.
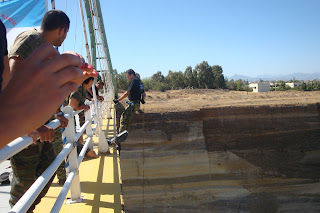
pixel 68 153
pixel 23 142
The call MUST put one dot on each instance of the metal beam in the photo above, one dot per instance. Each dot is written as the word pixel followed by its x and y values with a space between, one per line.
pixel 106 47
pixel 91 32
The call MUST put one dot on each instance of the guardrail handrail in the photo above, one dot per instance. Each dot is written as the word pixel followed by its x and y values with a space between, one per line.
pixel 23 142
pixel 68 152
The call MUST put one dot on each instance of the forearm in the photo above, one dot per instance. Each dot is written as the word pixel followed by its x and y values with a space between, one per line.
pixel 12 125
pixel 76 108
pixel 8 128
pixel 81 107
pixel 126 94
pixel 23 106
pixel 6 72
pixel 74 104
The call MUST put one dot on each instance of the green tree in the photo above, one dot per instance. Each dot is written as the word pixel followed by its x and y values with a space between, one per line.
pixel 219 81
pixel 157 77
pixel 282 86
pixel 231 85
pixel 175 80
pixel 147 84
pixel 303 87
pixel 205 75
pixel 195 80
pixel 160 86
pixel 239 85
pixel 157 82
pixel 309 86
pixel 317 85
pixel 188 77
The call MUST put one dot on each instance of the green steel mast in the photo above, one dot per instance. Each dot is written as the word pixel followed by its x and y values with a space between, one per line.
pixel 90 13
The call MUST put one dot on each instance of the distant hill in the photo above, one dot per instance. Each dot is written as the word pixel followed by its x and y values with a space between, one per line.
pixel 287 77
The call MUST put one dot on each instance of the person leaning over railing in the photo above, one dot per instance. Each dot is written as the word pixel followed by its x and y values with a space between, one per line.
pixel 97 86
pixel 23 106
pixel 76 101
pixel 19 101
pixel 134 95
pixel 30 163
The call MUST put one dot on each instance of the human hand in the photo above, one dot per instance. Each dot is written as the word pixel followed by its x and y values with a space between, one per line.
pixel 100 98
pixel 115 101
pixel 63 121
pixel 85 107
pixel 87 69
pixel 45 133
pixel 34 135
pixel 37 88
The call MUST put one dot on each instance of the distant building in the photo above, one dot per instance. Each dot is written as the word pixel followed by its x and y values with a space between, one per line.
pixel 260 87
pixel 293 84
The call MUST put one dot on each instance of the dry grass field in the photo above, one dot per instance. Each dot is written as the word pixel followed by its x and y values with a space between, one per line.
pixel 189 100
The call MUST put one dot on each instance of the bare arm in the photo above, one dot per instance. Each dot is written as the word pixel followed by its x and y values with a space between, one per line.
pixel 6 72
pixel 15 63
pixel 23 105
pixel 126 94
pixel 74 104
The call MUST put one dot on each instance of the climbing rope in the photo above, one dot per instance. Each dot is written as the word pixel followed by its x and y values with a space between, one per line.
pixel 143 132
pixel 65 10
pixel 75 35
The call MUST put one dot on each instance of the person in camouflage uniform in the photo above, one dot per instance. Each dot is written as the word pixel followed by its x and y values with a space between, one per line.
pixel 31 162
pixel 57 147
pixel 119 110
pixel 98 86
pixel 134 94
pixel 76 101
pixel 80 97
pixel 128 115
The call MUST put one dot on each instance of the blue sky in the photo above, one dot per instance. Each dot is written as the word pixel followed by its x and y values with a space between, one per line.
pixel 245 37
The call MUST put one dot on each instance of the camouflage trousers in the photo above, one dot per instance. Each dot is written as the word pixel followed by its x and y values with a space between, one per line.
pixel 57 147
pixel 119 110
pixel 128 115
pixel 27 166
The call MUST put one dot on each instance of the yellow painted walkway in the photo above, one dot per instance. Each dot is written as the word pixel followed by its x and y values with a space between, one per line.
pixel 100 185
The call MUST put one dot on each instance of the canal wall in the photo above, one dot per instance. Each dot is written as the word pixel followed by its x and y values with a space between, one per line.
pixel 229 159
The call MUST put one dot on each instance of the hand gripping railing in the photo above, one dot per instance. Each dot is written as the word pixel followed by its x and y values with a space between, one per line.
pixel 23 142
pixel 73 180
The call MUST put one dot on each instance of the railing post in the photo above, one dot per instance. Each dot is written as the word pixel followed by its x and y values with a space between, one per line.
pixel 109 107
pixel 89 132
pixel 103 143
pixel 114 120
pixel 104 116
pixel 93 110
pixel 72 159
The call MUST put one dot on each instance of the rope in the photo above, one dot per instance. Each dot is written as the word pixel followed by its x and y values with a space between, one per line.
pixel 143 163
pixel 82 41
pixel 75 35
pixel 65 10
pixel 53 4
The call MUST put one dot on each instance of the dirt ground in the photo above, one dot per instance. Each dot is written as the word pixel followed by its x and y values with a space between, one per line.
pixel 190 100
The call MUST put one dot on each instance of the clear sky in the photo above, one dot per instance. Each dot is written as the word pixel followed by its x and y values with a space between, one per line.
pixel 245 37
